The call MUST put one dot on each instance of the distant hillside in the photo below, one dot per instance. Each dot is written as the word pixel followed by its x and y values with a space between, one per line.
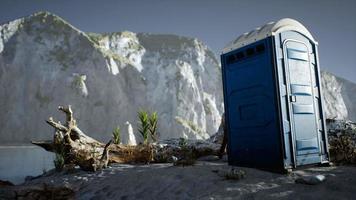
pixel 107 78
pixel 340 97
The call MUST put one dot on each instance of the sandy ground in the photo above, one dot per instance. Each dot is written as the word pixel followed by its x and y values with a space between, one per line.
pixel 164 181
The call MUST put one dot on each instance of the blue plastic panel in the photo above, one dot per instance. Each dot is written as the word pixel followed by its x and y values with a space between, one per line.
pixel 300 81
pixel 307 144
pixel 301 90
pixel 250 106
pixel 272 102
pixel 297 54
pixel 303 109
pixel 301 106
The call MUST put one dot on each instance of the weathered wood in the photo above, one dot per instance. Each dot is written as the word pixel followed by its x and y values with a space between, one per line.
pixel 80 149
pixel 47 145
pixel 56 125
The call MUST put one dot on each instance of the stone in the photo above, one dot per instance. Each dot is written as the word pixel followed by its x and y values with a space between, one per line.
pixel 231 174
pixel 209 158
pixel 218 137
pixel 342 141
pixel 225 158
pixel 339 97
pixel 5 183
pixel 7 193
pixel 128 136
pixel 311 179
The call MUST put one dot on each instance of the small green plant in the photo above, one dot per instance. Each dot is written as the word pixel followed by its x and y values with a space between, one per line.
pixel 148 125
pixel 186 156
pixel 144 125
pixel 59 161
pixel 153 119
pixel 182 143
pixel 116 135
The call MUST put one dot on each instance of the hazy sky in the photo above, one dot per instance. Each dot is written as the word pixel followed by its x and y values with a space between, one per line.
pixel 332 22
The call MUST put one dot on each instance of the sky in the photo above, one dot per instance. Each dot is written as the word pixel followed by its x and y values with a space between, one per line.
pixel 331 22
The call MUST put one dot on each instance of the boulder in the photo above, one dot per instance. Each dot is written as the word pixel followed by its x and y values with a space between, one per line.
pixel 311 179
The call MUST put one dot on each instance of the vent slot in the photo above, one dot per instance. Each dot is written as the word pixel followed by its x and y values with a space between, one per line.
pixel 260 48
pixel 230 59
pixel 240 55
pixel 248 53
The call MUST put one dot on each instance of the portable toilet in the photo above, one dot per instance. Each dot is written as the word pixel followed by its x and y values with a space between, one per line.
pixel 273 99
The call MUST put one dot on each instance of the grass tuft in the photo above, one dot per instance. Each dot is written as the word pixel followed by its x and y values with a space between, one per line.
pixel 116 135
pixel 148 125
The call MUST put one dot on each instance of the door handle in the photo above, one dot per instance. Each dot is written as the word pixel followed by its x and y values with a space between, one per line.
pixel 293 98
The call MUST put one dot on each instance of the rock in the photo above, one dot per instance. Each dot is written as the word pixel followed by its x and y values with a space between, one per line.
pixel 311 180
pixel 218 137
pixel 184 162
pixel 209 158
pixel 29 178
pixel 342 141
pixel 225 158
pixel 112 75
pixel 339 97
pixel 78 84
pixel 42 191
pixel 334 103
pixel 231 174
pixel 128 136
pixel 6 193
pixel 174 159
pixel 5 183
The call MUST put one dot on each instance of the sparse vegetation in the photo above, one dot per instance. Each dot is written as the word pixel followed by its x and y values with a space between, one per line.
pixel 79 81
pixel 144 125
pixel 148 125
pixel 194 127
pixel 59 161
pixel 187 156
pixel 61 55
pixel 182 142
pixel 153 119
pixel 342 140
pixel 116 135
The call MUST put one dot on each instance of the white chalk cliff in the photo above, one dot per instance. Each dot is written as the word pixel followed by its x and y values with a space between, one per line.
pixel 339 97
pixel 107 78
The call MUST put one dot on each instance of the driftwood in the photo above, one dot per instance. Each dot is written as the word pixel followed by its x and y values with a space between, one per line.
pixel 89 154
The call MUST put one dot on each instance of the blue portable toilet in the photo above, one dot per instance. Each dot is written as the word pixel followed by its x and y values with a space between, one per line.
pixel 273 99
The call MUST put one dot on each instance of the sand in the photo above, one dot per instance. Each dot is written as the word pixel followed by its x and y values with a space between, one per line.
pixel 165 181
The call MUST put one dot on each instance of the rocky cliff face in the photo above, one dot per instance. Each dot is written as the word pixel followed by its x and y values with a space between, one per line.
pixel 334 103
pixel 107 78
pixel 339 97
